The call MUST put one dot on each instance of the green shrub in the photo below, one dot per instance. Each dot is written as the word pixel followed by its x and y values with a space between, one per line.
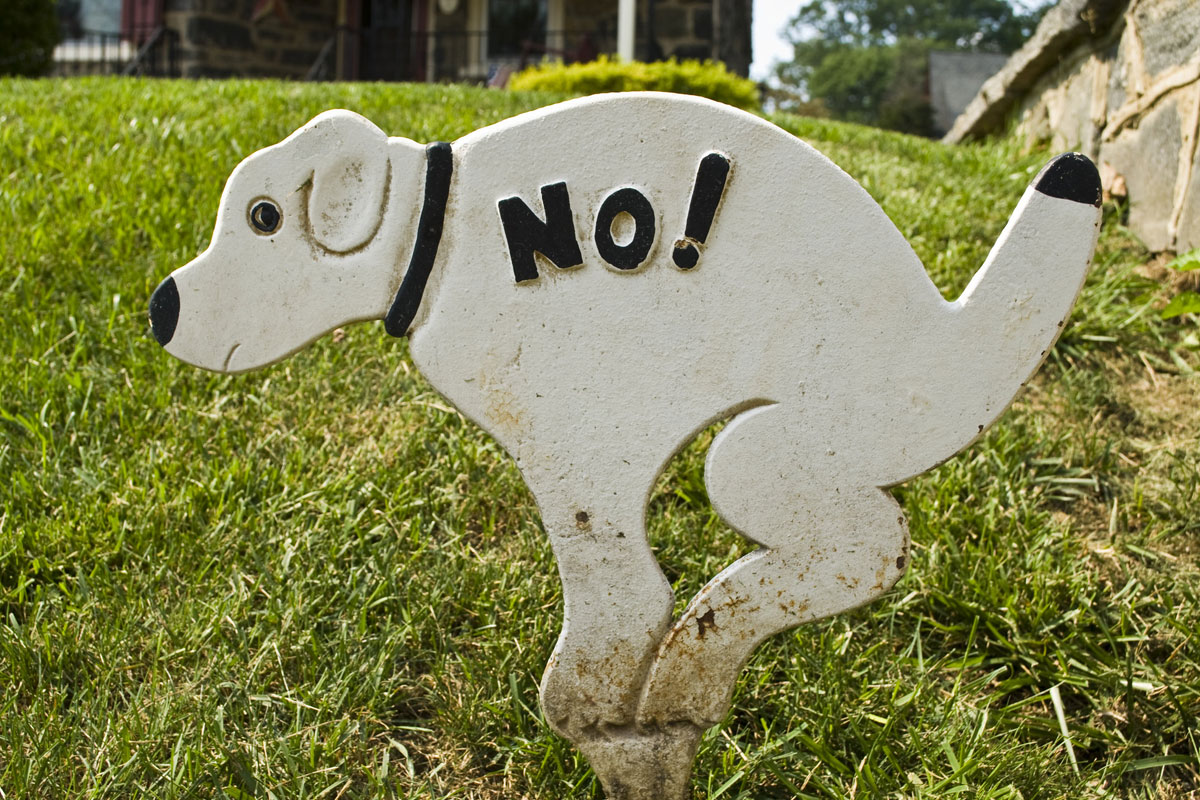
pixel 704 78
pixel 27 37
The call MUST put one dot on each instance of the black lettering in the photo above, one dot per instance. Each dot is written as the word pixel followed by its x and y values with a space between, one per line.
pixel 706 196
pixel 527 234
pixel 632 202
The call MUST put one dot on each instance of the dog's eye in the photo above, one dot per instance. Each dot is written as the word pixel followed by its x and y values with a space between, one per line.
pixel 265 217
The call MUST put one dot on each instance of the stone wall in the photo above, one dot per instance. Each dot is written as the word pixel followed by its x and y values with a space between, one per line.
pixel 1120 82
pixel 732 24
pixel 219 38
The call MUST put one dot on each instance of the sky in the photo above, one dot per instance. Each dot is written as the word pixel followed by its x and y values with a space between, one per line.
pixel 770 17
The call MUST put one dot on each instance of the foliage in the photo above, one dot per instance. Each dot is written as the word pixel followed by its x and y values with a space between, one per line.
pixel 1180 304
pixel 989 25
pixel 1185 302
pixel 883 85
pixel 1186 262
pixel 317 580
pixel 867 60
pixel 28 34
pixel 784 99
pixel 704 78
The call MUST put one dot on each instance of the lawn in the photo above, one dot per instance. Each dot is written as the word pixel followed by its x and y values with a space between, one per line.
pixel 318 580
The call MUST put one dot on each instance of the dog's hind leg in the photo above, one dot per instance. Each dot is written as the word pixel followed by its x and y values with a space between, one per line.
pixel 829 547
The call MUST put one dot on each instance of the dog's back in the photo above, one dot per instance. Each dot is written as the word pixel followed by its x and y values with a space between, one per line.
pixel 801 274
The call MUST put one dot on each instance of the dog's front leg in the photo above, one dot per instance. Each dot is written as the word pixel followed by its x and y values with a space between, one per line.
pixel 617 608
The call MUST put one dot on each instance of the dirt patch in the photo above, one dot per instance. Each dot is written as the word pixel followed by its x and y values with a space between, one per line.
pixel 1156 270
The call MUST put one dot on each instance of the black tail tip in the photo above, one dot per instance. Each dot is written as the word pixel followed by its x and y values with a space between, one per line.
pixel 164 311
pixel 1071 176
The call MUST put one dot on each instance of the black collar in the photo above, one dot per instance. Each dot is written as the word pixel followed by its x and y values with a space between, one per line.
pixel 439 166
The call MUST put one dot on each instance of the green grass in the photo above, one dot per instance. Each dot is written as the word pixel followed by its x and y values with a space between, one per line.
pixel 317 580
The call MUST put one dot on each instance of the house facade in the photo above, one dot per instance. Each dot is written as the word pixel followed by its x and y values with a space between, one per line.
pixel 433 40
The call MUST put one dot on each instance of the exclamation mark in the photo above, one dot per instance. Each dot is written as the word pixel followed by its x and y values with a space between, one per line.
pixel 706 196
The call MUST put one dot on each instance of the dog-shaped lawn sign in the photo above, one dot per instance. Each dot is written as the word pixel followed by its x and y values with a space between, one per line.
pixel 596 282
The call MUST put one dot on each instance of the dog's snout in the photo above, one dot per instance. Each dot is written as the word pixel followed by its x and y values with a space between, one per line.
pixel 164 311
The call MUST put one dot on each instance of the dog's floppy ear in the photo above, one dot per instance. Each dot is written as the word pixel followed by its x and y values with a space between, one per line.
pixel 350 175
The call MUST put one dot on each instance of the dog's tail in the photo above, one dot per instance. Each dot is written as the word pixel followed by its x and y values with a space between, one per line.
pixel 833 539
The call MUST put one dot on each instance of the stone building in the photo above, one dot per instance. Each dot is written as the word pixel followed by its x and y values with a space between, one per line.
pixel 955 77
pixel 1120 81
pixel 434 40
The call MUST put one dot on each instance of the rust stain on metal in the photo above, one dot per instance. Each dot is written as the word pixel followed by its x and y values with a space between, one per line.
pixel 504 410
pixel 880 577
pixel 850 583
pixel 706 622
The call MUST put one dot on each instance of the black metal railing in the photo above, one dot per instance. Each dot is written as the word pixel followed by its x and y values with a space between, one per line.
pixel 397 54
pixel 158 57
pixel 153 53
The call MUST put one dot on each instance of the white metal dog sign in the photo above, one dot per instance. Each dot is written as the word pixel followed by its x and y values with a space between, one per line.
pixel 594 283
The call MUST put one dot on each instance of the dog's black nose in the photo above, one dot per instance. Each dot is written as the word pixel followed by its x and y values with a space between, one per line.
pixel 164 311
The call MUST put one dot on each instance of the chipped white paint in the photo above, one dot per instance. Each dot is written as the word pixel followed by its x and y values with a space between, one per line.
pixel 807 321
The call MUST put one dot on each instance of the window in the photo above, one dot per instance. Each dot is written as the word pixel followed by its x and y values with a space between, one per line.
pixel 514 23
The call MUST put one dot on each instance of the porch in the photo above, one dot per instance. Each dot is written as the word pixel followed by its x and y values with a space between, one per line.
pixel 476 41
pixel 395 53
pixel 473 41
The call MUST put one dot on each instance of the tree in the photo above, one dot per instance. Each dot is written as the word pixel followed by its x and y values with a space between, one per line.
pixel 27 37
pixel 866 60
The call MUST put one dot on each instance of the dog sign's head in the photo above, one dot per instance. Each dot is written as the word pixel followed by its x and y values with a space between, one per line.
pixel 304 243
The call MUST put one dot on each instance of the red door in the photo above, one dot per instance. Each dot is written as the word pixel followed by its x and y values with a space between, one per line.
pixel 140 18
